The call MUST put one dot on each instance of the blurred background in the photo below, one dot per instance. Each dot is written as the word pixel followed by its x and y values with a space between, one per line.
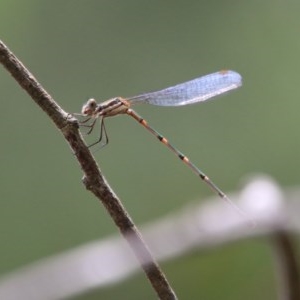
pixel 102 49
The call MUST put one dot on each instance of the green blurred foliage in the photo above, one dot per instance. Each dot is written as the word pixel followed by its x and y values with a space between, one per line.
pixel 80 49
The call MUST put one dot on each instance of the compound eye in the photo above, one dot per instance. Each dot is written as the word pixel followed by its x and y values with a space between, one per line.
pixel 89 108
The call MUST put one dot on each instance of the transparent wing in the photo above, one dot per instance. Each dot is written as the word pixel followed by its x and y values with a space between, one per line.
pixel 197 90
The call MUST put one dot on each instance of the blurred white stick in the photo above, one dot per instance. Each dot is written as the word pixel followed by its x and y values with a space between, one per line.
pixel 197 226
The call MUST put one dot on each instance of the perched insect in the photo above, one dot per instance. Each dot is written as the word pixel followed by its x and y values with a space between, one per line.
pixel 198 90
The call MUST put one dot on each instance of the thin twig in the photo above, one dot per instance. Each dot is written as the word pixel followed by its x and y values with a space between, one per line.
pixel 93 179
pixel 287 265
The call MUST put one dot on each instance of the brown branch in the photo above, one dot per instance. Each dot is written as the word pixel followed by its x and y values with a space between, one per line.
pixel 287 265
pixel 93 179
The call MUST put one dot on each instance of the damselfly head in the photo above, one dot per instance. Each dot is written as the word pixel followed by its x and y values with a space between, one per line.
pixel 89 108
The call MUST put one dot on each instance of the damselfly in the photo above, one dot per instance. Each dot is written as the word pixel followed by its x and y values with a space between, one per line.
pixel 194 91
